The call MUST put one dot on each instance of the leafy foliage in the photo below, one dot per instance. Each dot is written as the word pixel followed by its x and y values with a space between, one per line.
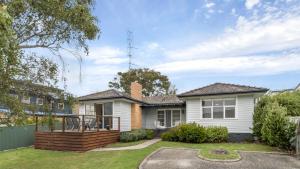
pixel 153 82
pixel 194 133
pixel 277 130
pixel 216 134
pixel 270 119
pixel 288 100
pixel 46 24
pixel 135 135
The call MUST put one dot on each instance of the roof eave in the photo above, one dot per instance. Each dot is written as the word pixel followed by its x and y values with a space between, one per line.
pixel 109 98
pixel 224 93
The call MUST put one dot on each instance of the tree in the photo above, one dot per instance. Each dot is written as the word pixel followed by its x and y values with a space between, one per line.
pixel 153 82
pixel 52 25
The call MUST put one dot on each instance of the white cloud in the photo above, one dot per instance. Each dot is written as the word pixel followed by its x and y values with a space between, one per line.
pixel 107 55
pixel 260 44
pixel 251 3
pixel 209 4
pixel 267 34
pixel 248 65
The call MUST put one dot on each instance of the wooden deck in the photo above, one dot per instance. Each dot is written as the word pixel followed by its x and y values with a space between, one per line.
pixel 75 141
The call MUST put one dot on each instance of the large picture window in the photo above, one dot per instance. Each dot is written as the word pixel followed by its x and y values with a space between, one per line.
pixel 169 117
pixel 219 108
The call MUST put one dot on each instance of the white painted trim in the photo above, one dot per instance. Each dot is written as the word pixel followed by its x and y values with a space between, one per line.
pixel 224 108
pixel 165 115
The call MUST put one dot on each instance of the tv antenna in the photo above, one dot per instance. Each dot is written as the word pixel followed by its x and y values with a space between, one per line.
pixel 129 48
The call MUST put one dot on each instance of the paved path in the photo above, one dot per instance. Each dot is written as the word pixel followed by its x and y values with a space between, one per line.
pixel 188 159
pixel 135 147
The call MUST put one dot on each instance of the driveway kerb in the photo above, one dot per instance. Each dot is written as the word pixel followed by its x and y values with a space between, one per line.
pixel 207 159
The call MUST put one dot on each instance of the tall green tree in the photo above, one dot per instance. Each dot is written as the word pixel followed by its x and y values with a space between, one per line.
pixel 27 25
pixel 153 82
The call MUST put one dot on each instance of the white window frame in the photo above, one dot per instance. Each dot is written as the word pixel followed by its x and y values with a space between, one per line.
pixel 37 101
pixel 26 101
pixel 63 106
pixel 165 120
pixel 224 108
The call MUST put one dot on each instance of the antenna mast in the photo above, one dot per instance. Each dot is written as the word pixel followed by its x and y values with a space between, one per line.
pixel 129 48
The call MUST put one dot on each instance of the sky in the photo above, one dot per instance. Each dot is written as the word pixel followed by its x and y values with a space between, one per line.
pixel 195 43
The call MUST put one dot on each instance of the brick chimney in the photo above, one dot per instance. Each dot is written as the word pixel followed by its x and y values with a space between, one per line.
pixel 136 111
pixel 136 90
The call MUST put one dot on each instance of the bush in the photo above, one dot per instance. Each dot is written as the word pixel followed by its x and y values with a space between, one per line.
pixel 135 135
pixel 194 133
pixel 277 130
pixel 169 135
pixel 149 134
pixel 190 133
pixel 216 134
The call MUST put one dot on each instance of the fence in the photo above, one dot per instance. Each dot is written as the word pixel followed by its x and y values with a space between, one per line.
pixel 16 136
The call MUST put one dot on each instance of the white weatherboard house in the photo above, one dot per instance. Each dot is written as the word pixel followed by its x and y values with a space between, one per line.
pixel 218 104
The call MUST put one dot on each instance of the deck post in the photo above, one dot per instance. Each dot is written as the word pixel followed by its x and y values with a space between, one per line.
pixel 97 121
pixel 36 123
pixel 83 125
pixel 63 124
pixel 110 123
pixel 119 127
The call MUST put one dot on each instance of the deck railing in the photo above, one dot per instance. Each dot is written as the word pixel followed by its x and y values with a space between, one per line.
pixel 77 123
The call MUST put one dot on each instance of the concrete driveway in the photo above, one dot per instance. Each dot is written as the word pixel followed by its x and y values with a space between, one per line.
pixel 188 159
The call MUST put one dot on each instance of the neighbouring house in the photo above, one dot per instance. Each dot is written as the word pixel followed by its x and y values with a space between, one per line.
pixel 274 92
pixel 35 95
pixel 218 104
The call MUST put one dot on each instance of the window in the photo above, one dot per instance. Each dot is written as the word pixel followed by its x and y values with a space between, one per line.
pixel 39 101
pixel 175 117
pixel 108 109
pixel 89 109
pixel 161 117
pixel 60 106
pixel 26 99
pixel 169 117
pixel 218 108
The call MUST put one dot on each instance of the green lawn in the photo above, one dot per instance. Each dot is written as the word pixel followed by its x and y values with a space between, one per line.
pixel 29 158
pixel 120 144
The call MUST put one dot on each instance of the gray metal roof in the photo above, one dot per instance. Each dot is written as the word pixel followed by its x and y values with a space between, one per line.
pixel 222 88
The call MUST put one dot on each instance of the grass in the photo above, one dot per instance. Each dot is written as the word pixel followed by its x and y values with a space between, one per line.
pixel 120 144
pixel 29 158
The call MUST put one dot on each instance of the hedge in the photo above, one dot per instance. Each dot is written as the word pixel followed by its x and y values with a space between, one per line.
pixel 136 134
pixel 195 133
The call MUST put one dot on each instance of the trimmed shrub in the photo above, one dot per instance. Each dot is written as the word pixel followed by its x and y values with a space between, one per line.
pixel 135 135
pixel 149 134
pixel 167 136
pixel 189 133
pixel 277 130
pixel 216 134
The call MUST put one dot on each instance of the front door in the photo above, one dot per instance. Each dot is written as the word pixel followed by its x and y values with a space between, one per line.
pixel 168 118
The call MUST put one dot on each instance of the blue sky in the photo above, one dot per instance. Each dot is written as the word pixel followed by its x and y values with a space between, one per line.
pixel 195 43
